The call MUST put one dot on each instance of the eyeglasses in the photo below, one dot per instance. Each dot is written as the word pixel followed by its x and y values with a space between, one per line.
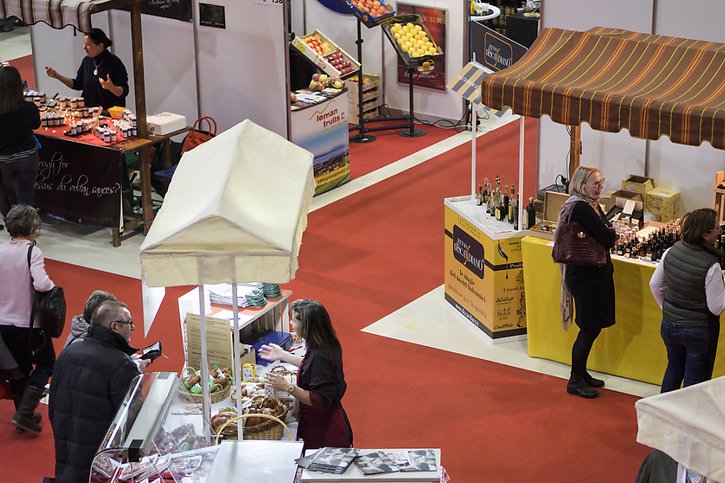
pixel 129 322
pixel 600 183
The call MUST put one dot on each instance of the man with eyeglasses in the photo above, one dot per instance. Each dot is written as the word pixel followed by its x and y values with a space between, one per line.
pixel 91 379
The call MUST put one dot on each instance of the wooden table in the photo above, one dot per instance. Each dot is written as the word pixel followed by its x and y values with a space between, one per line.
pixel 80 179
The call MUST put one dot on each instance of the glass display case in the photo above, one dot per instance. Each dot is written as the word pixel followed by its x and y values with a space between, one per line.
pixel 157 433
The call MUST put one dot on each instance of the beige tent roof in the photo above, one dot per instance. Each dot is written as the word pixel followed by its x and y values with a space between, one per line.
pixel 688 425
pixel 235 212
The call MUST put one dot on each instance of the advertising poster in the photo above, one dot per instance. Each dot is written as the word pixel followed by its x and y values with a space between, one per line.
pixel 484 278
pixel 79 182
pixel 322 129
pixel 434 20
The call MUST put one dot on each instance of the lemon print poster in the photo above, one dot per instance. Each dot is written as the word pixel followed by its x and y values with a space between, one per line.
pixel 416 43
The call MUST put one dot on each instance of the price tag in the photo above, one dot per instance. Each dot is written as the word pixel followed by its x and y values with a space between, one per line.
pixel 268 2
pixel 628 207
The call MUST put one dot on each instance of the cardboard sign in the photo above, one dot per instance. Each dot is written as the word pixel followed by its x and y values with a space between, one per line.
pixel 218 339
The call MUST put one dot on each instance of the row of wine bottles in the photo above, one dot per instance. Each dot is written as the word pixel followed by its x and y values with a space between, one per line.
pixel 502 205
pixel 653 246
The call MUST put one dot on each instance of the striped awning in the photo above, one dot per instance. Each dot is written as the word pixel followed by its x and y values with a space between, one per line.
pixel 615 79
pixel 468 82
pixel 59 13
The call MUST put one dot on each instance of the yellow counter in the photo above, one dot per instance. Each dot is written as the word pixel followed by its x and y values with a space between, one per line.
pixel 632 348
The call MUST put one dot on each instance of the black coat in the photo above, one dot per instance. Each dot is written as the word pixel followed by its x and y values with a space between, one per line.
pixel 91 379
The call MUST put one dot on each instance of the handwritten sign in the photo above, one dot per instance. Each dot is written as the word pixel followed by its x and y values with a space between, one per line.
pixel 79 182
pixel 174 9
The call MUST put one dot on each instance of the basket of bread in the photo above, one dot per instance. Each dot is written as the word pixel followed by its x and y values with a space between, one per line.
pixel 220 383
pixel 262 420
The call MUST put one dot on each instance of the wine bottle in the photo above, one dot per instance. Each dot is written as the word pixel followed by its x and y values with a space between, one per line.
pixel 531 213
pixel 505 203
pixel 479 195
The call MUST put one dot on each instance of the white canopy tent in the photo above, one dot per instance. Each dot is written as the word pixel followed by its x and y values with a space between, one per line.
pixel 235 211
pixel 688 425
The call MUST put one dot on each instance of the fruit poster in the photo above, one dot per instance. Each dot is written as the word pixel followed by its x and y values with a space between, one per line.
pixel 434 20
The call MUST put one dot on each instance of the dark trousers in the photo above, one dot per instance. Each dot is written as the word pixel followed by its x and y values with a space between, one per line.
pixel 582 347
pixel 34 353
pixel 713 329
pixel 688 355
pixel 18 178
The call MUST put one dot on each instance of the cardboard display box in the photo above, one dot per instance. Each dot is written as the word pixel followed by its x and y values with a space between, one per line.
pixel 638 184
pixel 622 196
pixel 663 203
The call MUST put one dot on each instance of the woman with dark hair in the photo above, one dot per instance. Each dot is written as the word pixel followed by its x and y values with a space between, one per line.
pixel 592 287
pixel 320 379
pixel 31 347
pixel 102 76
pixel 688 286
pixel 19 159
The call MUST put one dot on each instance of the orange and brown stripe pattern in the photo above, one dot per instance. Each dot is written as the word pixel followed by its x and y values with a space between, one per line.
pixel 613 79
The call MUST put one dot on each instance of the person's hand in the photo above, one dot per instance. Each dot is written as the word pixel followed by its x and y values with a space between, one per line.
pixel 106 83
pixel 143 363
pixel 271 352
pixel 51 72
pixel 277 382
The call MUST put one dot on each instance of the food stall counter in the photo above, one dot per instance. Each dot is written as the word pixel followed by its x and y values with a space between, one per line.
pixel 632 348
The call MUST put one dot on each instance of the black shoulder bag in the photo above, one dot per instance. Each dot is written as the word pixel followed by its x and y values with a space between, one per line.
pixel 48 307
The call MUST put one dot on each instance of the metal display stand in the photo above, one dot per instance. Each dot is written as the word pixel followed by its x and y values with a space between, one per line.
pixel 362 136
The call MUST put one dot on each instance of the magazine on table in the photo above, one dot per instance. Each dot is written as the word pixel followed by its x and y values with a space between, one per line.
pixel 374 463
pixel 332 460
pixel 415 460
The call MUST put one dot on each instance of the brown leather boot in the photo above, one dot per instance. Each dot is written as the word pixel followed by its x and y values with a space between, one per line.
pixel 25 417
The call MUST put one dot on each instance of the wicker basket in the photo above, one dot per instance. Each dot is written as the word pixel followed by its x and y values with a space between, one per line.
pixel 215 397
pixel 271 430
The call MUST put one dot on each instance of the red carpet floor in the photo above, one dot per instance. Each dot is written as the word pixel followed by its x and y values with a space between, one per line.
pixel 389 147
pixel 364 257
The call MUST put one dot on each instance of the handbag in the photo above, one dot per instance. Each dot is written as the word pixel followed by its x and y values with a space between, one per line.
pixel 197 135
pixel 574 246
pixel 48 307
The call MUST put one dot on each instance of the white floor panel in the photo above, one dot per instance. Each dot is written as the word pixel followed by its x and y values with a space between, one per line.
pixel 431 321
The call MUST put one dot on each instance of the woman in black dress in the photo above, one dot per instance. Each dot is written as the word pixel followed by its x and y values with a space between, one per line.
pixel 592 287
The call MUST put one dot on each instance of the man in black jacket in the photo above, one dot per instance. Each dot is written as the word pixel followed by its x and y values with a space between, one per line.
pixel 91 379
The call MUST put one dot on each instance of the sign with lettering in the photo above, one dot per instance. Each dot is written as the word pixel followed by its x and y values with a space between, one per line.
pixel 80 182
pixel 212 15
pixel 174 9
pixel 322 129
pixel 494 50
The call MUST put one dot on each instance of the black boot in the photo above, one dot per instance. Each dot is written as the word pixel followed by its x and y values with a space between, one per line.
pixel 578 387
pixel 591 382
pixel 25 417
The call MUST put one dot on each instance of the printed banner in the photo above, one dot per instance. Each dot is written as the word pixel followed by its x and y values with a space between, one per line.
pixel 484 278
pixel 322 129
pixel 434 20
pixel 79 182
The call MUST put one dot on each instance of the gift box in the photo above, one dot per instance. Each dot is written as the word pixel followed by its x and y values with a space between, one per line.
pixel 638 184
pixel 258 339
pixel 665 204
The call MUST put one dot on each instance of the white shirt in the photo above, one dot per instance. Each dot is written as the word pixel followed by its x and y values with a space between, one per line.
pixel 714 290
